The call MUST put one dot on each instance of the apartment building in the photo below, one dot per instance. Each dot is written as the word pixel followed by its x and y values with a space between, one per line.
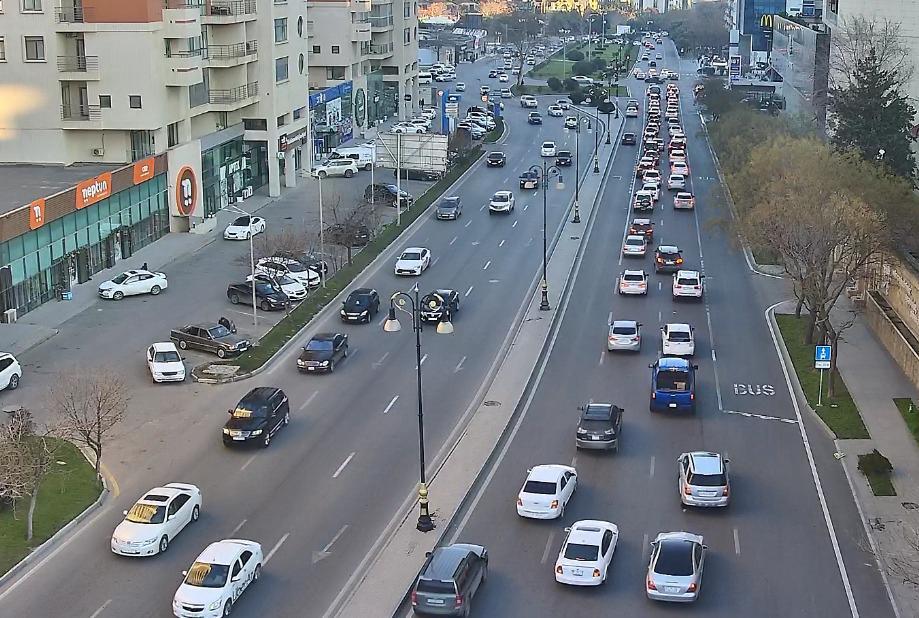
pixel 220 84
pixel 363 66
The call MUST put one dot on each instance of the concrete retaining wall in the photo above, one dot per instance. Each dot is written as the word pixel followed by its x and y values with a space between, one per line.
pixel 893 340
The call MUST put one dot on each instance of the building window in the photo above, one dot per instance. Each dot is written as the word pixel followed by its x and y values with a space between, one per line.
pixel 406 9
pixel 2 49
pixel 280 30
pixel 299 113
pixel 172 135
pixel 35 48
pixel 31 5
pixel 300 26
pixel 407 36
pixel 302 63
pixel 105 101
pixel 335 72
pixel 280 70
pixel 134 101
pixel 336 49
pixel 317 49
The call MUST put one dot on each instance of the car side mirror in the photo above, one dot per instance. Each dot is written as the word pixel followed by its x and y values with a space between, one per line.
pixel 170 517
pixel 727 460
pixel 124 512
pixel 695 366
pixel 581 408
pixel 235 578
pixel 229 411
pixel 182 358
pixel 567 529
pixel 427 554
pixel 650 365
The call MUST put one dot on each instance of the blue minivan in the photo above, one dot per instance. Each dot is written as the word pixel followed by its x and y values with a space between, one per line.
pixel 673 385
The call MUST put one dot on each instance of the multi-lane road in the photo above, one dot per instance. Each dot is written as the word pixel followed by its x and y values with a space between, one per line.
pixel 323 492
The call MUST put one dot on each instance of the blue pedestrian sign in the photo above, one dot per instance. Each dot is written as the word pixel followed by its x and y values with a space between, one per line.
pixel 822 356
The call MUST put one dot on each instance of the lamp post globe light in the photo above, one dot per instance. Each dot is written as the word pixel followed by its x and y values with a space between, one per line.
pixel 544 172
pixel 409 302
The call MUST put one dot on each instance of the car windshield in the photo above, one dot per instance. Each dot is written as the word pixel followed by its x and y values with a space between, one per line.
pixel 120 278
pixel 539 487
pixel 264 289
pixel 247 410
pixel 218 331
pixel 169 356
pixel 707 480
pixel 564 153
pixel 358 299
pixel 579 552
pixel 679 336
pixel 496 156
pixel 624 330
pixel 142 513
pixel 319 345
pixel 673 380
pixel 674 558
pixel 411 255
pixel 296 267
pixel 283 280
pixel 204 575
pixel 449 202
pixel 241 221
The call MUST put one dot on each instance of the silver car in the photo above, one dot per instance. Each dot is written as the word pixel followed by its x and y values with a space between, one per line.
pixel 675 569
pixel 704 479
pixel 624 335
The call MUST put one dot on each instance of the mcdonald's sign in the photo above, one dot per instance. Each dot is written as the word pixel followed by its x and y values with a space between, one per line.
pixel 766 21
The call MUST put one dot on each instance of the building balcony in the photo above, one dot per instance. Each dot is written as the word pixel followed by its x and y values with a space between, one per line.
pixel 78 68
pixel 380 24
pixel 81 116
pixel 231 55
pixel 229 11
pixel 72 17
pixel 233 98
pixel 360 32
pixel 183 68
pixel 360 6
pixel 380 2
pixel 182 22
pixel 379 52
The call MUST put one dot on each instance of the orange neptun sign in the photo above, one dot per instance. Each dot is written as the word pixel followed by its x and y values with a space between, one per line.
pixel 143 170
pixel 37 214
pixel 93 190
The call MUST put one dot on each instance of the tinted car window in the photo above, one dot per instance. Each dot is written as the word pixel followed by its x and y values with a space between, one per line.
pixel 685 281
pixel 707 480
pixel 633 278
pixel 623 330
pixel 679 335
pixel 576 551
pixel 317 344
pixel 674 558
pixel 411 255
pixel 435 586
pixel 539 487
pixel 673 381
pixel 595 425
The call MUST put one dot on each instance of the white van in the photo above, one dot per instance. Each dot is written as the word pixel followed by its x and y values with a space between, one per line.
pixel 364 155
pixel 424 77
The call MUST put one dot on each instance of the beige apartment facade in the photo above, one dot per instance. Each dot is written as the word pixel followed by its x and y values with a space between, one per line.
pixel 221 85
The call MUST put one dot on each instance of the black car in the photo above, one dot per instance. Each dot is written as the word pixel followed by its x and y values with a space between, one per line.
pixel 529 180
pixel 667 259
pixel 360 306
pixel 257 417
pixel 563 158
pixel 380 193
pixel 413 174
pixel 629 139
pixel 599 427
pixel 433 309
pixel 642 227
pixel 493 73
pixel 449 208
pixel 534 118
pixel 496 159
pixel 348 235
pixel 267 296
pixel 322 352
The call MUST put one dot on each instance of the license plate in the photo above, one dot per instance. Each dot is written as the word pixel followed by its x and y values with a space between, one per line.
pixel 672 405
pixel 435 601
pixel 672 589
pixel 577 572
pixel 238 438
pixel 311 369
pixel 708 494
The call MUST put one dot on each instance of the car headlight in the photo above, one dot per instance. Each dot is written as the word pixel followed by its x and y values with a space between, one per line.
pixel 215 604
pixel 148 541
pixel 582 432
pixel 301 362
pixel 342 312
pixel 324 363
pixel 256 432
pixel 364 312
pixel 226 431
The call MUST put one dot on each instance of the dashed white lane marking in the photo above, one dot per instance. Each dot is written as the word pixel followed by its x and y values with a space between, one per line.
pixel 434 261
pixel 529 242
pixel 644 546
pixel 501 244
pixel 391 404
pixel 483 207
pixel 609 320
pixel 343 465
pixel 574 461
pixel 469 291
pixel 714 360
pixel 275 548
pixel 424 358
pixel 459 365
pixel 487 264
pixel 659 288
pixel 525 206
pixel 763 417
pixel 736 542
pixel 238 526
pixel 101 609
pixel 379 363
pixel 383 319
pixel 246 465
pixel 651 472
pixel 468 223
pixel 548 549
pixel 454 240
pixel 515 224
pixel 337 536
pixel 309 400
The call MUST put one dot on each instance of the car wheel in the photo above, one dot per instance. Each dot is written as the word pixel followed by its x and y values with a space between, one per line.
pixel 221 353
pixel 118 295
pixel 287 418
pixel 164 544
pixel 183 344
pixel 346 352
pixel 348 173
pixel 368 167
pixel 257 573
pixel 195 513
pixel 265 305
pixel 266 441
pixel 156 290
pixel 332 367
pixel 322 174
pixel 234 298
pixel 14 382
pixel 228 608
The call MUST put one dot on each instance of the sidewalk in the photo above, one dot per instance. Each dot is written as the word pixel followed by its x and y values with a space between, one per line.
pixel 873 380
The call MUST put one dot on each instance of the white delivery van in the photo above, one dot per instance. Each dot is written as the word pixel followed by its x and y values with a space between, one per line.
pixel 424 77
pixel 363 154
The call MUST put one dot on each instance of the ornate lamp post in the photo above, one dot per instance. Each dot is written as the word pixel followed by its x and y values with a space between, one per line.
pixel 543 173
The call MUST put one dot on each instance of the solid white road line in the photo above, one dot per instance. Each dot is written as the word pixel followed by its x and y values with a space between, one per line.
pixel 459 365
pixel 101 609
pixel 309 400
pixel 238 526
pixel 275 548
pixel 487 264
pixel 651 474
pixel 501 244
pixel 548 549
pixel 469 291
pixel 248 461
pixel 343 465
pixel 828 520
pixel 454 240
pixel 736 542
pixel 391 404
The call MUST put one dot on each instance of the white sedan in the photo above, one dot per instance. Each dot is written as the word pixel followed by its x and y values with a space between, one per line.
pixel 294 289
pixel 677 340
pixel 217 579
pixel 547 149
pixel 587 552
pixel 155 520
pixel 679 167
pixel 555 111
pixel 501 201
pixel 10 371
pixel 546 491
pixel 632 282
pixel 503 78
pixel 244 227
pixel 133 282
pixel 165 362
pixel 413 261
pixel 635 245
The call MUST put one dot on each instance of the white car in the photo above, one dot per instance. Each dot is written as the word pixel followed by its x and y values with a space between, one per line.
pixel 635 245
pixel 155 520
pixel 244 227
pixel 555 111
pixel 571 122
pixel 676 131
pixel 217 579
pixel 413 261
pixel 684 200
pixel 165 362
pixel 586 554
pixel 679 167
pixel 546 491
pixel 460 86
pixel 582 80
pixel 280 266
pixel 294 289
pixel 547 149
pixel 687 284
pixel 132 282
pixel 10 371
pixel 653 187
pixel 528 100
pixel 503 78
pixel 678 340
pixel 337 167
pixel 506 93
pixel 404 127
pixel 429 113
pixel 501 201
pixel 676 181
pixel 677 154
pixel 563 103
pixel 632 282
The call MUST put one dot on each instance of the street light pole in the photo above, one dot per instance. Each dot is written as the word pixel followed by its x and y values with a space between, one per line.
pixel 577 173
pixel 543 174
pixel 596 142
pixel 240 211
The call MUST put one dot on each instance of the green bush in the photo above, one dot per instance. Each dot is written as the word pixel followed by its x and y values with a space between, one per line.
pixel 577 97
pixel 874 463
pixel 582 67
pixel 571 85
pixel 575 55
pixel 598 64
pixel 554 83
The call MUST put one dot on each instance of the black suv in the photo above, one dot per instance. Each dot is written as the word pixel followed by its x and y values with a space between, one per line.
pixel 257 417
pixel 413 174
pixel 267 296
pixel 599 427
pixel 667 259
pixel 435 310
pixel 629 139
pixel 322 352
pixel 563 158
pixel 360 306
pixel 496 159
pixel 386 194
pixel 449 579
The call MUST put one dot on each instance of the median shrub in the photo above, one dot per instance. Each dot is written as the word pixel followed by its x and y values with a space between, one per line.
pixel 583 67
pixel 575 55
pixel 554 83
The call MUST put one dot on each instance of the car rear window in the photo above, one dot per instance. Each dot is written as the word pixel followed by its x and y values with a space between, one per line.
pixel 679 336
pixel 673 381
pixel 623 330
pixel 685 281
pixel 707 480
pixel 674 558
pixel 634 278
pixel 577 551
pixel 595 425
pixel 435 586
pixel 539 487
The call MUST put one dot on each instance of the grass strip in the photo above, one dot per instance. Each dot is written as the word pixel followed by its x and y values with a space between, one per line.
pixel 840 412
pixel 910 413
pixel 64 494
pixel 495 134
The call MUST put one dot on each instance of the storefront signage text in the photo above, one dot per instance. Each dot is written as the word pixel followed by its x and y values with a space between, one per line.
pixel 143 170
pixel 93 190
pixel 37 214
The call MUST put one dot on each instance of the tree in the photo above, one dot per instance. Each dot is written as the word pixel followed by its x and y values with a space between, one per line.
pixel 873 117
pixel 350 227
pixel 289 242
pixel 575 55
pixel 582 67
pixel 857 37
pixel 89 405
pixel 519 28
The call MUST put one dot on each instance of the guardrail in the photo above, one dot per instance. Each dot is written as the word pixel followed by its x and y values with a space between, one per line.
pixel 233 95
pixel 80 113
pixel 235 50
pixel 77 63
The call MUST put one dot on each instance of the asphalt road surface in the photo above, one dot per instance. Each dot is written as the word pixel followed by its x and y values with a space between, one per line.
pixel 332 480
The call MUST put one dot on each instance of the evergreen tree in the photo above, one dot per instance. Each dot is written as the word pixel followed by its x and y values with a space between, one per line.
pixel 872 114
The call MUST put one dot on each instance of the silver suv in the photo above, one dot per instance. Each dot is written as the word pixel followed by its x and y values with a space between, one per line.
pixel 704 479
pixel 450 578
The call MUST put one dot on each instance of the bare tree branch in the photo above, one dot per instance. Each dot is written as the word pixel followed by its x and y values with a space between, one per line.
pixel 856 37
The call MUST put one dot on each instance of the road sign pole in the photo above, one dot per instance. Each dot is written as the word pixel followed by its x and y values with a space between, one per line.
pixel 820 390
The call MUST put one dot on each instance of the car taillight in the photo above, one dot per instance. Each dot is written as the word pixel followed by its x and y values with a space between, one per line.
pixel 692 396
pixel 459 600
pixel 554 504
pixel 697 287
pixel 660 259
pixel 650 584
pixel 691 587
pixel 519 502
pixel 414 598
pixel 653 395
pixel 636 338
pixel 679 260
pixel 596 572
pixel 558 569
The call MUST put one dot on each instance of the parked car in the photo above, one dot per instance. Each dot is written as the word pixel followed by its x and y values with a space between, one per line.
pixel 322 353
pixel 164 362
pixel 210 337
pixel 336 167
pixel 267 296
pixel 416 174
pixel 382 193
pixel 132 282
pixel 10 371
pixel 295 269
pixel 244 227
pixel 258 416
